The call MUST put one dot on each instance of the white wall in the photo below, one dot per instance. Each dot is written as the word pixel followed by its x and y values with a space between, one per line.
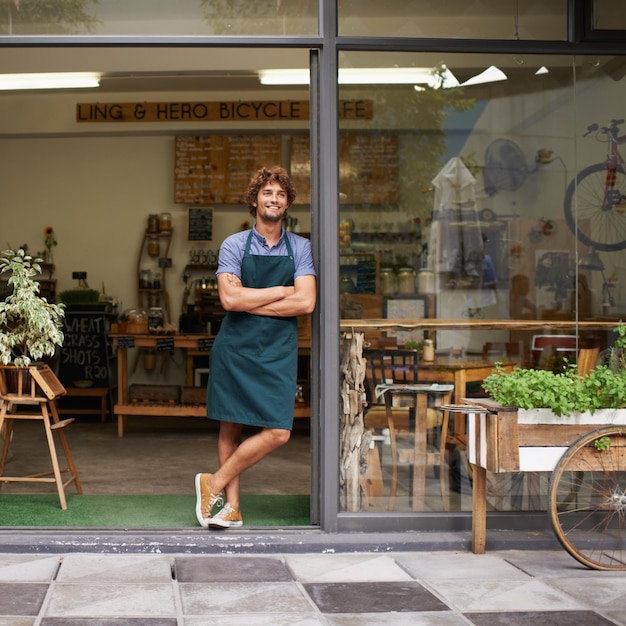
pixel 96 185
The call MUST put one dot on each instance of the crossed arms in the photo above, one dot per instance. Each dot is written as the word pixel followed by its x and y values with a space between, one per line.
pixel 269 301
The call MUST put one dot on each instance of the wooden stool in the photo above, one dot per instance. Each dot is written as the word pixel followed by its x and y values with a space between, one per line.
pixel 458 434
pixel 34 389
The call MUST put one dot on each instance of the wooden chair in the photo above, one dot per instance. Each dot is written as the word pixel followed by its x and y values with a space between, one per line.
pixel 28 393
pixel 545 348
pixel 587 360
pixel 402 411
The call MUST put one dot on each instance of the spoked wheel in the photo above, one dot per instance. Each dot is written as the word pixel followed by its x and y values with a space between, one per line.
pixel 587 499
pixel 596 210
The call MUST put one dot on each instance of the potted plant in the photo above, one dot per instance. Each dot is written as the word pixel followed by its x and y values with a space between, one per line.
pixel 30 326
pixel 565 392
pixel 538 414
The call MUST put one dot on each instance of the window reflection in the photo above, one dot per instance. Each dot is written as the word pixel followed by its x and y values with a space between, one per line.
pixel 488 19
pixel 141 17
pixel 491 203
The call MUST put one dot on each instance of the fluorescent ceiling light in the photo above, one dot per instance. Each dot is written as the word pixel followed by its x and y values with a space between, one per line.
pixel 490 75
pixel 435 77
pixel 284 77
pixel 542 70
pixel 65 80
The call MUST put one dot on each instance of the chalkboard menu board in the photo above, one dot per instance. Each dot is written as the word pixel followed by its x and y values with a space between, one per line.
pixel 217 168
pixel 200 224
pixel 368 168
pixel 85 354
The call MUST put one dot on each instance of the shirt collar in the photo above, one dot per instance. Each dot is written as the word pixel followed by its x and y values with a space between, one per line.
pixel 261 239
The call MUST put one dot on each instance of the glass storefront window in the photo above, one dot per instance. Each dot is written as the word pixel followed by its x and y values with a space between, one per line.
pixel 141 17
pixel 474 198
pixel 488 19
pixel 608 15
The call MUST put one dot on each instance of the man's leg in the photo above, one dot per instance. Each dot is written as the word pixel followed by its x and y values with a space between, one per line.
pixel 241 456
pixel 228 441
pixel 235 457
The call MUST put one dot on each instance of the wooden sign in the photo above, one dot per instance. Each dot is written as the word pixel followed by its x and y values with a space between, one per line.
pixel 226 111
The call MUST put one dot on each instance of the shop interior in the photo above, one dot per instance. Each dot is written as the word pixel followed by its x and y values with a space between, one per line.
pixel 127 225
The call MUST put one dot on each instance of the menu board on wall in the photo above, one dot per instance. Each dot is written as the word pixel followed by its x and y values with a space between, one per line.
pixel 368 168
pixel 218 168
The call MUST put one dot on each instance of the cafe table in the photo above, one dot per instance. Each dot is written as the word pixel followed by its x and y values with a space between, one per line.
pixel 460 371
pixel 415 396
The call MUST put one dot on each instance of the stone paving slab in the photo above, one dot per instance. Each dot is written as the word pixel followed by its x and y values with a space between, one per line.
pixel 505 588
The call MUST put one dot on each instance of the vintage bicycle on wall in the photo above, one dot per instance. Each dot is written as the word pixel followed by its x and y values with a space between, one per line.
pixel 595 200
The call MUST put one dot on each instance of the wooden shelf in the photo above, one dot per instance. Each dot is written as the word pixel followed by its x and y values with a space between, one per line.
pixel 148 262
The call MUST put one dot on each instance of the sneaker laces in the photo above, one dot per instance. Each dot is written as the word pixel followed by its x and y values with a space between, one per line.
pixel 227 510
pixel 215 499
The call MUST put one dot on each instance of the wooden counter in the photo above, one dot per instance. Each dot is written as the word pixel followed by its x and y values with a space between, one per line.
pixel 473 324
pixel 193 345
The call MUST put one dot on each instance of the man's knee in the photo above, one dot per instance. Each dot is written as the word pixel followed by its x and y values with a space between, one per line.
pixel 230 432
pixel 280 436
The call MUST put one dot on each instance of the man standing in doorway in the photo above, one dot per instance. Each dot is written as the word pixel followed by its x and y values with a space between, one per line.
pixel 265 279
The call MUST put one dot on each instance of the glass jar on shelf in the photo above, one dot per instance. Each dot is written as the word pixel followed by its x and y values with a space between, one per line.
pixel 165 222
pixel 154 247
pixel 156 318
pixel 145 279
pixel 406 281
pixel 153 223
pixel 387 281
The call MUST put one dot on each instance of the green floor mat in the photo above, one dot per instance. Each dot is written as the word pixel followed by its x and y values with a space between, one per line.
pixel 144 511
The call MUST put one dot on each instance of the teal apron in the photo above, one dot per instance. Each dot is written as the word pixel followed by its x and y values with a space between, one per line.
pixel 254 360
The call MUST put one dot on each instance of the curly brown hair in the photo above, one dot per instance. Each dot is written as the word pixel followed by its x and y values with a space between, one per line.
pixel 263 177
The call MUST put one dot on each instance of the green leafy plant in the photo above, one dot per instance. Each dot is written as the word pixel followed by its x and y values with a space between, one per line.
pixel 413 345
pixel 602 444
pixel 564 391
pixel 30 326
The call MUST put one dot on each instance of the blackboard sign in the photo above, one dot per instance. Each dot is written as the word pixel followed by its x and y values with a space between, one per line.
pixel 200 224
pixel 85 351
pixel 164 344
pixel 127 341
pixel 206 344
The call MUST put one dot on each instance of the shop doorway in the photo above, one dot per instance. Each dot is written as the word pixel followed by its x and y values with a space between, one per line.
pixel 107 174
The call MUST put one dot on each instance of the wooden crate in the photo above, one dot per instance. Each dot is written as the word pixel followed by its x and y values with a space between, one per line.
pixel 169 394
pixel 194 395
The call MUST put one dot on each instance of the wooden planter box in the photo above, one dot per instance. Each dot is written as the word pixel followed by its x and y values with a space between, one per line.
pixel 523 440
pixel 512 440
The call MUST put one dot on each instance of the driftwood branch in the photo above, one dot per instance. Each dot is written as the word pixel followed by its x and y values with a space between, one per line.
pixel 353 435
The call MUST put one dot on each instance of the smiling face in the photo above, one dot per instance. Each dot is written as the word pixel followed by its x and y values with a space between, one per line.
pixel 271 203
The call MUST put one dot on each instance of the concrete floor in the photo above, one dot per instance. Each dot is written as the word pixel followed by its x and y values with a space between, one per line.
pixel 155 456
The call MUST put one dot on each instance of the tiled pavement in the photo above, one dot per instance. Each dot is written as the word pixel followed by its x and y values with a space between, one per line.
pixel 445 588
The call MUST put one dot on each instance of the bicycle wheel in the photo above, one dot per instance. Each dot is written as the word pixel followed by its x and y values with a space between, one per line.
pixel 600 212
pixel 587 499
